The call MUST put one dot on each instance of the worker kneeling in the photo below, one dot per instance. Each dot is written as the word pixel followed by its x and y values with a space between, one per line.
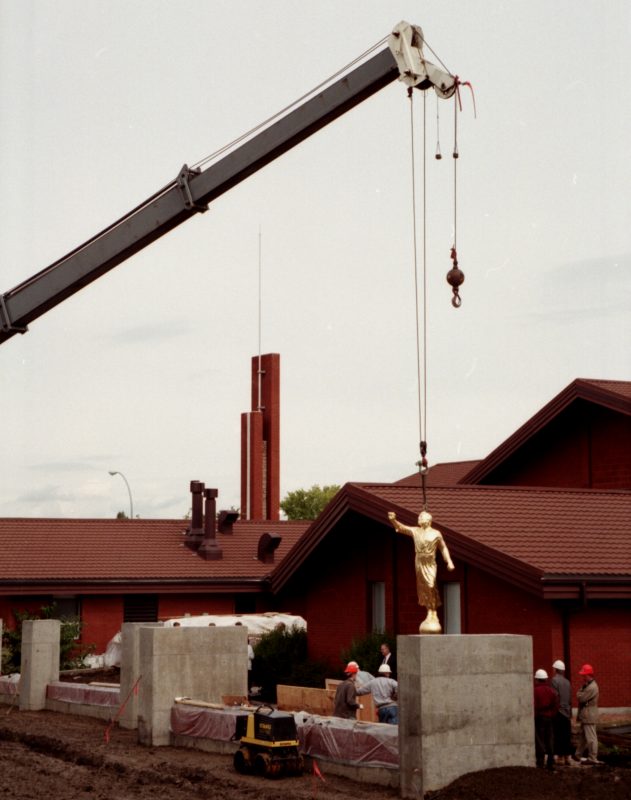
pixel 384 694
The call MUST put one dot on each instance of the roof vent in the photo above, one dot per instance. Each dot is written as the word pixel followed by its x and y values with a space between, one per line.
pixel 267 545
pixel 226 520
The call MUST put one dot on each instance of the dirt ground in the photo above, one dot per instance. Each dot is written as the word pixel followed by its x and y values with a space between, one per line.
pixel 63 757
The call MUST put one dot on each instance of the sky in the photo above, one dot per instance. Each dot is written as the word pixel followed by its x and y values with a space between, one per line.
pixel 147 370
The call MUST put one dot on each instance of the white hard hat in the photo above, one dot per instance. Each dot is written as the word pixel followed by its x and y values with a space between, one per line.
pixel 385 668
pixel 541 675
pixel 558 664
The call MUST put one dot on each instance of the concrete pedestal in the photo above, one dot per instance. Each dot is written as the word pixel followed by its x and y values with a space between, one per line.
pixel 40 661
pixel 465 704
pixel 130 671
pixel 201 663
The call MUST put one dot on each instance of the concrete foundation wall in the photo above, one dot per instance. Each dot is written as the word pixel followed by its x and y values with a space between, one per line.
pixel 80 709
pixel 466 704
pixel 201 663
pixel 40 661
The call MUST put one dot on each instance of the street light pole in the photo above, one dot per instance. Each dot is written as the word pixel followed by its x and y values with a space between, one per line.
pixel 131 502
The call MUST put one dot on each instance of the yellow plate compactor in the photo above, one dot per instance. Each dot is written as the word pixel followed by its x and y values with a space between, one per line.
pixel 269 744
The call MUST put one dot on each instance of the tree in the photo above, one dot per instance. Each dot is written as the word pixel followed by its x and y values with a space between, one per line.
pixel 308 503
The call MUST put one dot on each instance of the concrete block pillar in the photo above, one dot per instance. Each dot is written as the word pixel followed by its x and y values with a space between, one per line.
pixel 465 704
pixel 40 661
pixel 200 663
pixel 130 671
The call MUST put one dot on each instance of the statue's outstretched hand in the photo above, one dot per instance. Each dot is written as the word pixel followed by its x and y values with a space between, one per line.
pixel 391 516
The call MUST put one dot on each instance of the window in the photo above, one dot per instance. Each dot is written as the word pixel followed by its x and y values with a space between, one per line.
pixel 377 606
pixel 68 608
pixel 140 608
pixel 451 592
pixel 245 604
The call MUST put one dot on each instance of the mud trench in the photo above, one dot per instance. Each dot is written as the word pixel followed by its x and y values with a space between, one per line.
pixel 63 757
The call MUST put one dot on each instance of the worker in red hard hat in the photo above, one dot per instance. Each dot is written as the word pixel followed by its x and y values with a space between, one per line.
pixel 587 717
pixel 346 704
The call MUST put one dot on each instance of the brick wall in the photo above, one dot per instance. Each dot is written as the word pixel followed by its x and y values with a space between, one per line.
pixel 601 636
pixel 331 592
pixel 494 606
pixel 586 446
pixel 102 616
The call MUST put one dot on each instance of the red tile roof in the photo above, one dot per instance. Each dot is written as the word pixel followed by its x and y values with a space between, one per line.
pixel 529 536
pixel 131 551
pixel 612 389
pixel 615 395
pixel 441 474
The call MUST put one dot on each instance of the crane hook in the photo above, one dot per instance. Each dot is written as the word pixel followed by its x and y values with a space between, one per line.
pixel 455 278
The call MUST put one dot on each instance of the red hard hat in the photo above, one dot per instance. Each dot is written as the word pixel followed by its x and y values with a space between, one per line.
pixel 586 669
pixel 351 668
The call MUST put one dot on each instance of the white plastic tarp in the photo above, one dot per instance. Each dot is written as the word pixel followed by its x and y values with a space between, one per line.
pixel 257 624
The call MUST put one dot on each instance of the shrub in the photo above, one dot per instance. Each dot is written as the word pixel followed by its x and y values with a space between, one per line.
pixel 71 653
pixel 365 650
pixel 281 656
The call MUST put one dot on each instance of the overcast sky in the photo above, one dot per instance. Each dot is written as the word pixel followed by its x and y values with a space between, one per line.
pixel 147 370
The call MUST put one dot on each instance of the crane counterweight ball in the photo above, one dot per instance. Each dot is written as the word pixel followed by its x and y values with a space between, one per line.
pixel 455 277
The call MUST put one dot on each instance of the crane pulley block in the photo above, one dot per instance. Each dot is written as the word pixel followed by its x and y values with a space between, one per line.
pixel 406 45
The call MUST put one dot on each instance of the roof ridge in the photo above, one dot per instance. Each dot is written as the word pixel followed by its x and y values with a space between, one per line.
pixel 460 487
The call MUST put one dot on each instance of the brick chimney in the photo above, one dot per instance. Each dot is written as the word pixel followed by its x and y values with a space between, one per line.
pixel 209 549
pixel 260 442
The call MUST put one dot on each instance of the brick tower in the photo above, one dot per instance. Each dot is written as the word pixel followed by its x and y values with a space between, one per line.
pixel 260 442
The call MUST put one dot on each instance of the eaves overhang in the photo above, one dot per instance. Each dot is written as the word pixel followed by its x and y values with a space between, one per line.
pixel 527 576
pixel 583 588
pixel 94 586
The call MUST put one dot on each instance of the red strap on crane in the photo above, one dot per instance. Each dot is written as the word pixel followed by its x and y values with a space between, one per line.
pixel 458 84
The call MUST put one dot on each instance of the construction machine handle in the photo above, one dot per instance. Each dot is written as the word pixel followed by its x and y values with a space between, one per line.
pixel 264 705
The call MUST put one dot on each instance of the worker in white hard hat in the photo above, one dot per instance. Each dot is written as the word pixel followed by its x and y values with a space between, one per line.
pixel 384 694
pixel 563 720
pixel 546 706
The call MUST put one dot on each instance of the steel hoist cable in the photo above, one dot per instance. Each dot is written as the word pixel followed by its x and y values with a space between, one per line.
pixel 212 156
pixel 421 335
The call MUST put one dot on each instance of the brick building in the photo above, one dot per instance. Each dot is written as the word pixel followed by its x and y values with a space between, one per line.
pixel 530 557
pixel 539 532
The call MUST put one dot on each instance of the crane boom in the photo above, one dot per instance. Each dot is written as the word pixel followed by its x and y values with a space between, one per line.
pixel 193 190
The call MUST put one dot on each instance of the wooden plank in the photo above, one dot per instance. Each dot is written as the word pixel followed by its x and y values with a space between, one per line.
pixel 304 698
pixel 321 701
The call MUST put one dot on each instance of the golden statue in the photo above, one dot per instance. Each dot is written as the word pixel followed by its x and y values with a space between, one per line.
pixel 426 541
